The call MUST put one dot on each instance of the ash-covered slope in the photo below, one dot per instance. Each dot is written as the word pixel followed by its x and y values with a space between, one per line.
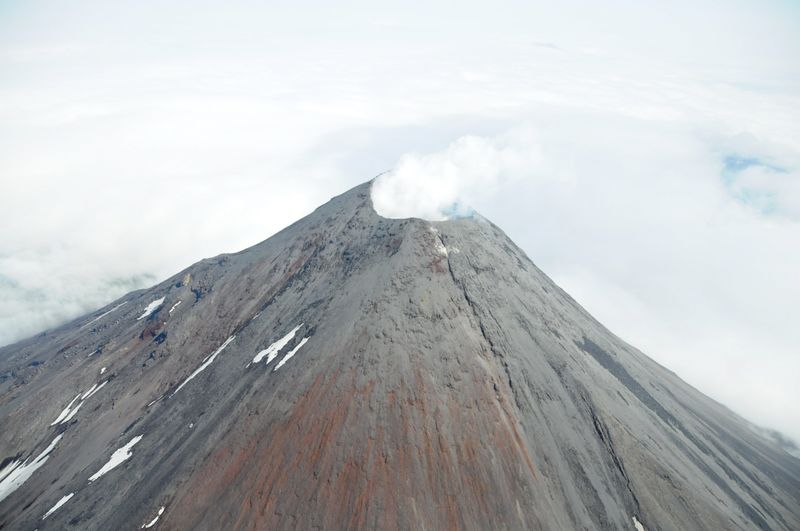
pixel 360 372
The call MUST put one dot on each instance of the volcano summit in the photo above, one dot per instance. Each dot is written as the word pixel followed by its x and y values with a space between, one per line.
pixel 357 372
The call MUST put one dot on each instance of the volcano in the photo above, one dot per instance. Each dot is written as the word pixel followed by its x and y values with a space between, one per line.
pixel 357 372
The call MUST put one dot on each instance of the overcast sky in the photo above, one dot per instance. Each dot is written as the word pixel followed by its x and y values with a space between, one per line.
pixel 645 154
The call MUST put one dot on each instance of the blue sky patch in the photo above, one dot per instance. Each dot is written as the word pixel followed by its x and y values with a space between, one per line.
pixel 758 198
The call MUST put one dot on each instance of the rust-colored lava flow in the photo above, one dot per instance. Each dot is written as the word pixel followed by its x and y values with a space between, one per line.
pixel 425 460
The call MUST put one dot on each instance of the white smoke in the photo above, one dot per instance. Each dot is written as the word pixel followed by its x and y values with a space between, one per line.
pixel 440 185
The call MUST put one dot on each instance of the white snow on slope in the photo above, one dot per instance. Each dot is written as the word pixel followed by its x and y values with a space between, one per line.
pixel 637 524
pixel 206 362
pixel 154 520
pixel 64 413
pixel 153 306
pixel 72 413
pixel 291 353
pixel 102 370
pixel 69 412
pixel 8 469
pixel 174 306
pixel 58 504
pixel 16 473
pixel 118 457
pixel 103 315
pixel 272 351
pixel 89 392
pixel 95 390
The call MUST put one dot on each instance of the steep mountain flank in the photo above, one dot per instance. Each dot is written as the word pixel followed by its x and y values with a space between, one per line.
pixel 360 372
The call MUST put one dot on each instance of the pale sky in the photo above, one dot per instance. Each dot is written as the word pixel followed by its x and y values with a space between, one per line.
pixel 645 154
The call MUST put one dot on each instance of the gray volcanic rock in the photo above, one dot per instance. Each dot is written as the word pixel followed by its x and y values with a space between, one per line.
pixel 360 372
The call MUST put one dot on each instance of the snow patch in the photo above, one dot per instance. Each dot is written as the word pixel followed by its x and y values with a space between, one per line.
pixel 174 306
pixel 117 458
pixel 154 520
pixel 271 352
pixel 69 412
pixel 103 315
pixel 95 389
pixel 9 469
pixel 291 353
pixel 64 413
pixel 637 524
pixel 102 370
pixel 89 392
pixel 72 413
pixel 58 505
pixel 16 473
pixel 153 306
pixel 206 362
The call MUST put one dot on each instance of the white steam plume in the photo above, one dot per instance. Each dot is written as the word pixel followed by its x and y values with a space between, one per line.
pixel 444 184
